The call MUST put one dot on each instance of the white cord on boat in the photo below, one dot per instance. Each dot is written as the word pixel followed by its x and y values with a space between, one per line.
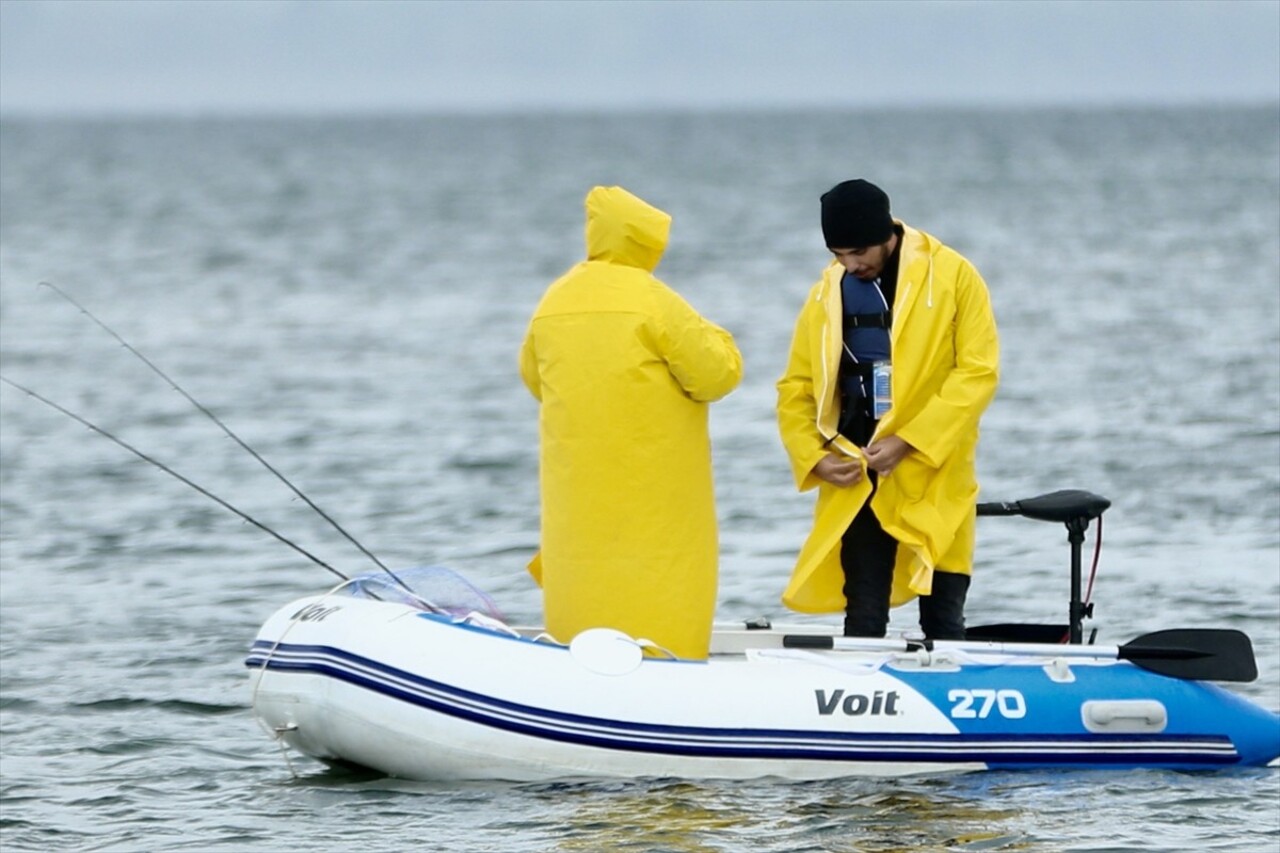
pixel 278 734
pixel 843 664
pixel 485 621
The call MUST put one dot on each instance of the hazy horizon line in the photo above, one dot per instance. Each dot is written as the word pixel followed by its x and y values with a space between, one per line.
pixel 583 110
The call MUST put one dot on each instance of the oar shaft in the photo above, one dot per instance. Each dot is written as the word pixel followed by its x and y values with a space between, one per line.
pixel 1045 650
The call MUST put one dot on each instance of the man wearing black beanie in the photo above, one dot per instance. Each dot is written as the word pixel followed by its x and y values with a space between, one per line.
pixel 895 357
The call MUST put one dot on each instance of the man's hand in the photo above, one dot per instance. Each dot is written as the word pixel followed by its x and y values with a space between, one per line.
pixel 838 470
pixel 884 455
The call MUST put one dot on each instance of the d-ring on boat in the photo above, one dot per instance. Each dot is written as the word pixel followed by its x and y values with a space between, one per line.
pixel 400 687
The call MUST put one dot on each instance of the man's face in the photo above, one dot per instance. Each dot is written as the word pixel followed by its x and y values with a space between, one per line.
pixel 865 263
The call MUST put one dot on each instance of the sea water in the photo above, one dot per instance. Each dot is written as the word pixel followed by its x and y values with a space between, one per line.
pixel 349 296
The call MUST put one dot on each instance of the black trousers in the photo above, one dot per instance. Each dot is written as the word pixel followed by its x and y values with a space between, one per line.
pixel 867 555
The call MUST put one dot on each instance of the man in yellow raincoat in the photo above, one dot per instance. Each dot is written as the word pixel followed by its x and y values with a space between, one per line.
pixel 894 358
pixel 625 370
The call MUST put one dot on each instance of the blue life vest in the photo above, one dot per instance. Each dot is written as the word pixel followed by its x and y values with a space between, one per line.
pixel 867 320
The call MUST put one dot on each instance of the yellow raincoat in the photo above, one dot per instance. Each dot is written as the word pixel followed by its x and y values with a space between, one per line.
pixel 625 369
pixel 945 370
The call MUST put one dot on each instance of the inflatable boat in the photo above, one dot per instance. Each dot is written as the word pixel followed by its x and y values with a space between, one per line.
pixel 374 675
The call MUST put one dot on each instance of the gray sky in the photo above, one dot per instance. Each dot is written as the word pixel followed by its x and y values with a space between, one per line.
pixel 195 56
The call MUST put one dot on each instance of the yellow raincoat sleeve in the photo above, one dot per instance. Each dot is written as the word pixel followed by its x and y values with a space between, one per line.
pixel 702 357
pixel 951 415
pixel 797 406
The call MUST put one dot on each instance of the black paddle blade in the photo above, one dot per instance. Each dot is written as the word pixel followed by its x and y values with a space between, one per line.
pixel 1198 654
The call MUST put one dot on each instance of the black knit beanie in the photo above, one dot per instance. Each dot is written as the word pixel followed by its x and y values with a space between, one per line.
pixel 855 215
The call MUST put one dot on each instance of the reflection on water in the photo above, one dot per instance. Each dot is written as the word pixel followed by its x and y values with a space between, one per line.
pixel 684 817
pixel 678 817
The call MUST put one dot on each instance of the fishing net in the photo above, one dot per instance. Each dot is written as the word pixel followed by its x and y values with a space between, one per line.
pixel 432 588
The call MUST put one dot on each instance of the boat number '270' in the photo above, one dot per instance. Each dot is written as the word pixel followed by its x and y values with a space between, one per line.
pixel 978 704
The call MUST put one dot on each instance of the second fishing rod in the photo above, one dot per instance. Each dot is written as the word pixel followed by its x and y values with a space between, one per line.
pixel 228 431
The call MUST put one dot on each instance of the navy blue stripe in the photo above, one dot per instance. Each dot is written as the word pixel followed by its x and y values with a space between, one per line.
pixel 1002 750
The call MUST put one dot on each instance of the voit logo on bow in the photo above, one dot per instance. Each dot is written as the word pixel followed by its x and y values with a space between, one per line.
pixel 857 704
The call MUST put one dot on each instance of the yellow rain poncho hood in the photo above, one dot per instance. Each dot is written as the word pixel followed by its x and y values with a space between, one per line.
pixel 945 370
pixel 624 370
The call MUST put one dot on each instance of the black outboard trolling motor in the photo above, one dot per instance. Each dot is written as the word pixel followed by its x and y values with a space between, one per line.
pixel 1075 508
pixel 1197 654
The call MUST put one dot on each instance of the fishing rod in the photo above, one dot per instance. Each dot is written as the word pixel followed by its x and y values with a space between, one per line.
pixel 202 490
pixel 226 429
